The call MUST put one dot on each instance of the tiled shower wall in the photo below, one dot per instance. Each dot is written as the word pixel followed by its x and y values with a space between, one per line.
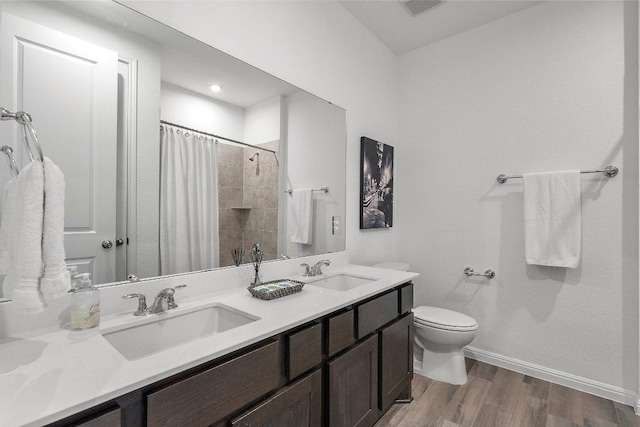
pixel 260 192
pixel 248 201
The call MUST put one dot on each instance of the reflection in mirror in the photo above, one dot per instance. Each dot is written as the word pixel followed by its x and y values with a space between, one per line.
pixel 99 78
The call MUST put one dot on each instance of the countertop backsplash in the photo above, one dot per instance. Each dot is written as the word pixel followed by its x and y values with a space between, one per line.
pixel 56 315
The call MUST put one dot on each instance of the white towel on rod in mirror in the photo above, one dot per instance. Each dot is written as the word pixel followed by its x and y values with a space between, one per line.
pixel 302 216
pixel 55 281
pixel 23 262
pixel 552 218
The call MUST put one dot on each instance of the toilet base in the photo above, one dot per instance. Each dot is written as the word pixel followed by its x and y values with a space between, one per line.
pixel 446 364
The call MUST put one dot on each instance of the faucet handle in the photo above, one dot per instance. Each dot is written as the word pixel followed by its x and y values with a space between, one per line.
pixel 307 269
pixel 170 298
pixel 142 303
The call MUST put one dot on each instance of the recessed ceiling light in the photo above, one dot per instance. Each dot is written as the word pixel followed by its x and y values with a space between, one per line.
pixel 215 88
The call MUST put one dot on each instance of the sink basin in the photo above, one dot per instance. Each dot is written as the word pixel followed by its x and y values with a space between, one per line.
pixel 163 331
pixel 341 282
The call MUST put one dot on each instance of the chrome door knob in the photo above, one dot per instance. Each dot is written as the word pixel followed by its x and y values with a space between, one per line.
pixel 107 244
pixel 119 242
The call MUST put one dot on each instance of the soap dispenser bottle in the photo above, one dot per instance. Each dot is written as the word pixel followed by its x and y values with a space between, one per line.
pixel 85 304
pixel 73 275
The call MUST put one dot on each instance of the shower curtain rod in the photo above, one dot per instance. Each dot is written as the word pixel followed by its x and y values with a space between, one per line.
pixel 216 136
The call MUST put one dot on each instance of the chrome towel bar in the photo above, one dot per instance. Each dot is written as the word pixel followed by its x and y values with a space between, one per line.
pixel 609 172
pixel 489 273
pixel 325 190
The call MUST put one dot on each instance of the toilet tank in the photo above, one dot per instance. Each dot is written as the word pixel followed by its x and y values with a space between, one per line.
pixel 400 266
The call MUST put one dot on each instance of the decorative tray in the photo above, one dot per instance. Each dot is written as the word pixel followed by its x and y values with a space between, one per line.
pixel 275 289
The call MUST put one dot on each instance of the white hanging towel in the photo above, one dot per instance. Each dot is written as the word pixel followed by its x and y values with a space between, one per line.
pixel 56 281
pixel 24 245
pixel 7 246
pixel 552 218
pixel 302 216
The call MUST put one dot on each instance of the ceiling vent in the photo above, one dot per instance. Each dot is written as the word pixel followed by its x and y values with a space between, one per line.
pixel 416 7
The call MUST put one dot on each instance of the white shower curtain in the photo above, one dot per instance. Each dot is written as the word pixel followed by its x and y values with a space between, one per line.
pixel 189 237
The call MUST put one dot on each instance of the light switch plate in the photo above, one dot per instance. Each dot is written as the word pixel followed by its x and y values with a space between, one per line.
pixel 336 224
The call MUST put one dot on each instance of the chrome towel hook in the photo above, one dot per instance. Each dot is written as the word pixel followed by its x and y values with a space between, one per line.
pixel 489 273
pixel 24 119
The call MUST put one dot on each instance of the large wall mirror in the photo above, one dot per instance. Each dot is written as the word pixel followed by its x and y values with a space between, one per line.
pixel 166 173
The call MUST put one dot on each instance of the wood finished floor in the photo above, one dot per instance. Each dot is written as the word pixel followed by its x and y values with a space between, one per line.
pixel 496 397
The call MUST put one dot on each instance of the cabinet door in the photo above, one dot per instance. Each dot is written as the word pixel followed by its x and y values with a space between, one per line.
pixel 299 405
pixel 396 353
pixel 353 386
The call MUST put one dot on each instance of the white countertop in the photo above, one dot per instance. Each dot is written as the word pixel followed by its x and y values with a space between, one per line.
pixel 48 375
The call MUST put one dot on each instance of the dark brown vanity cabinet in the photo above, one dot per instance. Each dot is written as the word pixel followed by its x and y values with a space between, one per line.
pixel 365 380
pixel 343 369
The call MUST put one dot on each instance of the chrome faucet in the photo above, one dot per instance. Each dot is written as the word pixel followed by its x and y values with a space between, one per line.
pixel 316 270
pixel 307 269
pixel 142 304
pixel 161 302
pixel 164 301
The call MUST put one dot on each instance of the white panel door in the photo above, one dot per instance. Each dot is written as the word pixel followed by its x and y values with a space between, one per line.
pixel 69 87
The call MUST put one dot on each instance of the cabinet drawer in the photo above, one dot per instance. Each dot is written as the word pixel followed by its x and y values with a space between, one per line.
pixel 298 405
pixel 209 396
pixel 406 298
pixel 304 350
pixel 340 331
pixel 108 419
pixel 376 313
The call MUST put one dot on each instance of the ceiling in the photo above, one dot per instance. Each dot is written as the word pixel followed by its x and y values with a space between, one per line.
pixel 392 24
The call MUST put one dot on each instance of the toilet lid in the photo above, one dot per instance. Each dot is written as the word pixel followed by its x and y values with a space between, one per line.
pixel 443 319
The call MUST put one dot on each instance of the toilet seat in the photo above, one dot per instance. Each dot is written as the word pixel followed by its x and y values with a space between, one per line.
pixel 441 318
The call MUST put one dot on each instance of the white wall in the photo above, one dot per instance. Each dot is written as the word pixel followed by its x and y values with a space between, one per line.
pixel 315 149
pixel 552 87
pixel 320 47
pixel 190 109
pixel 262 121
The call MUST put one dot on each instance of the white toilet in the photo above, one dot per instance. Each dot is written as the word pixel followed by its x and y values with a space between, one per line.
pixel 439 335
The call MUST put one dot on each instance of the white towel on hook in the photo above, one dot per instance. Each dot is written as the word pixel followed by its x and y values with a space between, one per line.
pixel 25 240
pixel 8 206
pixel 6 245
pixel 302 216
pixel 552 218
pixel 56 281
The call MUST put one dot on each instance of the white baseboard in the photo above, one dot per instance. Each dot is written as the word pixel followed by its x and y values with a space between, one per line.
pixel 617 394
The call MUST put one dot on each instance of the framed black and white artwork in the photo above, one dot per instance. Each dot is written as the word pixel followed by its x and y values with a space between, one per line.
pixel 376 184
